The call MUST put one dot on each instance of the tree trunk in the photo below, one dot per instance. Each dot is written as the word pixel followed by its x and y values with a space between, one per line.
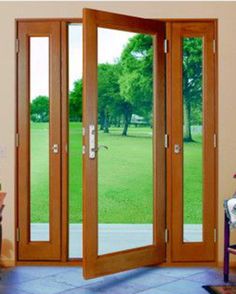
pixel 127 117
pixel 106 123
pixel 125 130
pixel 102 121
pixel 187 123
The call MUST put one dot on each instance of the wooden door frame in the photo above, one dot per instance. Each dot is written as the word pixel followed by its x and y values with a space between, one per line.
pixel 169 98
pixel 65 260
pixel 27 249
pixel 64 81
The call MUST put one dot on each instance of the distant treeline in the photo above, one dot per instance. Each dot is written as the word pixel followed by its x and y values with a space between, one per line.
pixel 125 88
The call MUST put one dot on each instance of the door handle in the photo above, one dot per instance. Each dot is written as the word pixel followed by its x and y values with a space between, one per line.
pixel 55 148
pixel 101 146
pixel 92 149
pixel 177 148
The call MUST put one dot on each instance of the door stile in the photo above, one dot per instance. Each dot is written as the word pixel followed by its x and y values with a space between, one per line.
pixel 90 203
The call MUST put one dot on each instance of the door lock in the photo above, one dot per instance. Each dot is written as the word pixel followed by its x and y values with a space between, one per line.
pixel 177 148
pixel 55 148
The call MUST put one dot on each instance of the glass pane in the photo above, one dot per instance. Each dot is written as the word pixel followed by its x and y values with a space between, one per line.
pixel 125 169
pixel 39 138
pixel 193 139
pixel 75 140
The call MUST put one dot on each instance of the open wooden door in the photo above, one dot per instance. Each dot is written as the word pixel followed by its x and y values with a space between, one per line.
pixel 123 228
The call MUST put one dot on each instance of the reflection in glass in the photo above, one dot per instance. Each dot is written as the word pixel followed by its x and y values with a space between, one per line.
pixel 39 138
pixel 125 169
pixel 75 140
pixel 192 133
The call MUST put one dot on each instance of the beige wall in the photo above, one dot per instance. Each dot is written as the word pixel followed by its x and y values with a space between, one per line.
pixel 224 11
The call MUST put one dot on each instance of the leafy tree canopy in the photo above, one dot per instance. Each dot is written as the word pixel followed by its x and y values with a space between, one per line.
pixel 75 101
pixel 40 109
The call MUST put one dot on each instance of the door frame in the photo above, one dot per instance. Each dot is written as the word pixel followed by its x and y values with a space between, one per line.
pixel 64 81
pixel 49 250
pixel 169 102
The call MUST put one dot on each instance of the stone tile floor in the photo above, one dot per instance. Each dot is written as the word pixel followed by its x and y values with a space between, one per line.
pixel 148 280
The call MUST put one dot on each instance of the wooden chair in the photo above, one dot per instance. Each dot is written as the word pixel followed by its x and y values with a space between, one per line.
pixel 227 248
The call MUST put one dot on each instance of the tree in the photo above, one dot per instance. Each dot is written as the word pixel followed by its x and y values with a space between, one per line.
pixel 39 111
pixel 75 101
pixel 192 84
pixel 108 94
pixel 136 79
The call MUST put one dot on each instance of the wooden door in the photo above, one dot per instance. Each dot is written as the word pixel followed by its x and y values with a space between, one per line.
pixel 97 263
pixel 39 141
pixel 193 141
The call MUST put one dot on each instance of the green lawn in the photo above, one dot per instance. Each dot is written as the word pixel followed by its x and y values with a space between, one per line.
pixel 125 176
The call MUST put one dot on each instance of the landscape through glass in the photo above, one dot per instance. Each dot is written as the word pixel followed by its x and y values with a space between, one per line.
pixel 125 121
pixel 75 139
pixel 193 138
pixel 39 138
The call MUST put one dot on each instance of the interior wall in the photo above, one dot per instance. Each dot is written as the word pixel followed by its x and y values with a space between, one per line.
pixel 224 11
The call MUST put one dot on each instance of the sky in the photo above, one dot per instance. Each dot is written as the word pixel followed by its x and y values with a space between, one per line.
pixel 110 45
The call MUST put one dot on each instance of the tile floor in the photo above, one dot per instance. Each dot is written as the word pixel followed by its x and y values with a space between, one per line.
pixel 149 280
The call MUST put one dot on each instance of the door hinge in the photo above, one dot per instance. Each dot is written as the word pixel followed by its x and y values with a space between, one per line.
pixel 17 45
pixel 166 235
pixel 165 46
pixel 83 149
pixel 66 148
pixel 83 131
pixel 215 140
pixel 214 46
pixel 17 140
pixel 18 235
pixel 215 235
pixel 166 141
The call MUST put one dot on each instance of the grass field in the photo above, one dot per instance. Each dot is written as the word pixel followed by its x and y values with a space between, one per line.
pixel 125 176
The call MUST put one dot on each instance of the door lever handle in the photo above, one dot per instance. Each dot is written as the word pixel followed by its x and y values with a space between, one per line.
pixel 101 146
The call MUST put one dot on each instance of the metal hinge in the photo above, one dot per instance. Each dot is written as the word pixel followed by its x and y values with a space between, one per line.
pixel 166 235
pixel 166 46
pixel 18 235
pixel 83 131
pixel 214 46
pixel 17 140
pixel 215 140
pixel 166 140
pixel 215 235
pixel 17 45
pixel 83 149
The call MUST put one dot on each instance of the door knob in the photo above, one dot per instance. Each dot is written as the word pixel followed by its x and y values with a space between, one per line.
pixel 177 148
pixel 55 148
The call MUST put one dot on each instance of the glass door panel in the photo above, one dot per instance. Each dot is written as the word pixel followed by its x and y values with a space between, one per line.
pixel 75 139
pixel 125 140
pixel 39 138
pixel 192 138
pixel 124 155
